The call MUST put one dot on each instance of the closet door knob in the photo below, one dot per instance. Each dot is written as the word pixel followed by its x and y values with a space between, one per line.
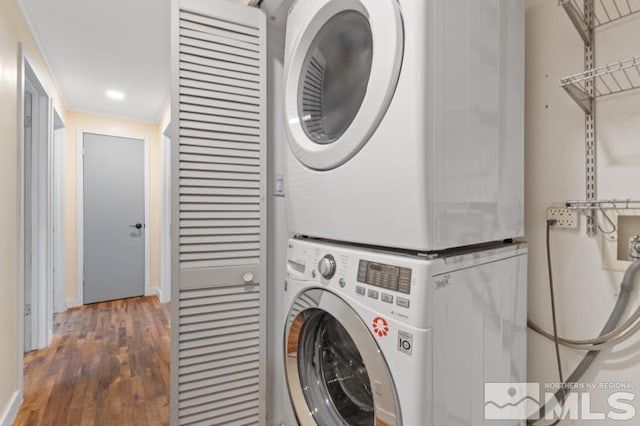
pixel 248 277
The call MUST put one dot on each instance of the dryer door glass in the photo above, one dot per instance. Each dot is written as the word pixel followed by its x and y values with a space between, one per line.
pixel 333 373
pixel 334 77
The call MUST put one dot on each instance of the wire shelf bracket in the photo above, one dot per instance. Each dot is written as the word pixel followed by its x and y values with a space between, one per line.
pixel 605 12
pixel 597 82
pixel 618 77
pixel 577 19
pixel 626 204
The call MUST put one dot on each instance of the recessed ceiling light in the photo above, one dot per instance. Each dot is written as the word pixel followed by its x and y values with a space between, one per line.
pixel 114 94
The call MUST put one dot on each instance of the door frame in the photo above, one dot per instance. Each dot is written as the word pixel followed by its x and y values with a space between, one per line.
pixel 59 201
pixel 165 227
pixel 79 300
pixel 41 296
pixel 41 220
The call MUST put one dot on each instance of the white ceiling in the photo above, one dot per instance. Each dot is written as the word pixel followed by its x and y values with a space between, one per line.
pixel 93 46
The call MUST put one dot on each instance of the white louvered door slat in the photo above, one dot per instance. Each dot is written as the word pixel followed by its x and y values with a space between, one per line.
pixel 219 223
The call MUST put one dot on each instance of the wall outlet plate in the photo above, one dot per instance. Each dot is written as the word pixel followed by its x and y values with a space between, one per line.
pixel 279 185
pixel 566 218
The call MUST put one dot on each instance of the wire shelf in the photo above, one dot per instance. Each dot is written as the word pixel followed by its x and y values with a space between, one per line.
pixel 605 12
pixel 627 204
pixel 618 77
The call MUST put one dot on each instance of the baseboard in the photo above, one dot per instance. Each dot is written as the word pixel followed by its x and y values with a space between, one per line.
pixel 166 298
pixel 11 410
pixel 72 303
pixel 157 291
pixel 163 297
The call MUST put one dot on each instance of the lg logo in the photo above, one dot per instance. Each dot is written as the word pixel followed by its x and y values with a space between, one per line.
pixel 405 342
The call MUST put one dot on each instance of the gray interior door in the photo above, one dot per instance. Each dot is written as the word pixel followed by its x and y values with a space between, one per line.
pixel 113 218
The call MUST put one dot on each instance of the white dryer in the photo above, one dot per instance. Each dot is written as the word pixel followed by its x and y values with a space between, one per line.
pixel 378 338
pixel 405 121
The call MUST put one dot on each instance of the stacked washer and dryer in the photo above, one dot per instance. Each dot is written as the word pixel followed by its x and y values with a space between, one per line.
pixel 405 191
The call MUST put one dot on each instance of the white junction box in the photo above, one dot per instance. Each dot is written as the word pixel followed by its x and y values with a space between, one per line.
pixel 566 218
pixel 618 231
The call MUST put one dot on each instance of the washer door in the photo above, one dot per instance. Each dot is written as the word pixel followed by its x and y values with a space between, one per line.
pixel 341 74
pixel 335 371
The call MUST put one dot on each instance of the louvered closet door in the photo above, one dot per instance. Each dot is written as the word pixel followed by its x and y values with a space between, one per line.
pixel 219 225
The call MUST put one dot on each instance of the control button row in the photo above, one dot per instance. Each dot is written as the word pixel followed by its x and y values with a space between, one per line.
pixel 401 301
pixel 385 297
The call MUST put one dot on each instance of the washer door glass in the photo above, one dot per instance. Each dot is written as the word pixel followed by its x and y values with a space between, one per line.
pixel 332 373
pixel 332 361
pixel 334 76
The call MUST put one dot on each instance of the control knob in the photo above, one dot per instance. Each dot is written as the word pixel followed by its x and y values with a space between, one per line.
pixel 327 267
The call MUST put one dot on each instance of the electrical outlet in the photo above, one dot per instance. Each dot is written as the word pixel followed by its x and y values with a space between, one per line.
pixel 279 189
pixel 566 218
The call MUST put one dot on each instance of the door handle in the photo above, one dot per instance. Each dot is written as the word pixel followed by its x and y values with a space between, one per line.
pixel 137 226
pixel 248 277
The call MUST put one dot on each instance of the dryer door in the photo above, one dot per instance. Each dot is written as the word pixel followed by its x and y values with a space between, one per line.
pixel 341 73
pixel 335 371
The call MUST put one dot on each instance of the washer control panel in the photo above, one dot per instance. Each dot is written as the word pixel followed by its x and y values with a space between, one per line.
pixel 388 277
pixel 395 286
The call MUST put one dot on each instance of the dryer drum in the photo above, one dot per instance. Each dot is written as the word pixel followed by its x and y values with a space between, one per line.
pixel 335 76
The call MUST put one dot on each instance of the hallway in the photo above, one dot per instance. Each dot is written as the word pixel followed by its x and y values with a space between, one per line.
pixel 108 364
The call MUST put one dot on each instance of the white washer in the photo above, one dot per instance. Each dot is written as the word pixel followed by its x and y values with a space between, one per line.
pixel 405 121
pixel 378 338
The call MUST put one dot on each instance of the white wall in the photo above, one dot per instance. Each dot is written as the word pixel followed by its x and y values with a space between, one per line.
pixel 13 29
pixel 555 172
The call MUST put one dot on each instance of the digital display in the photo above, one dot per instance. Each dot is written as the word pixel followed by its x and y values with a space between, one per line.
pixel 385 269
pixel 385 276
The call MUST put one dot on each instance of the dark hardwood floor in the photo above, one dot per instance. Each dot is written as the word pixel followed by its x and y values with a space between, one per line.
pixel 108 364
